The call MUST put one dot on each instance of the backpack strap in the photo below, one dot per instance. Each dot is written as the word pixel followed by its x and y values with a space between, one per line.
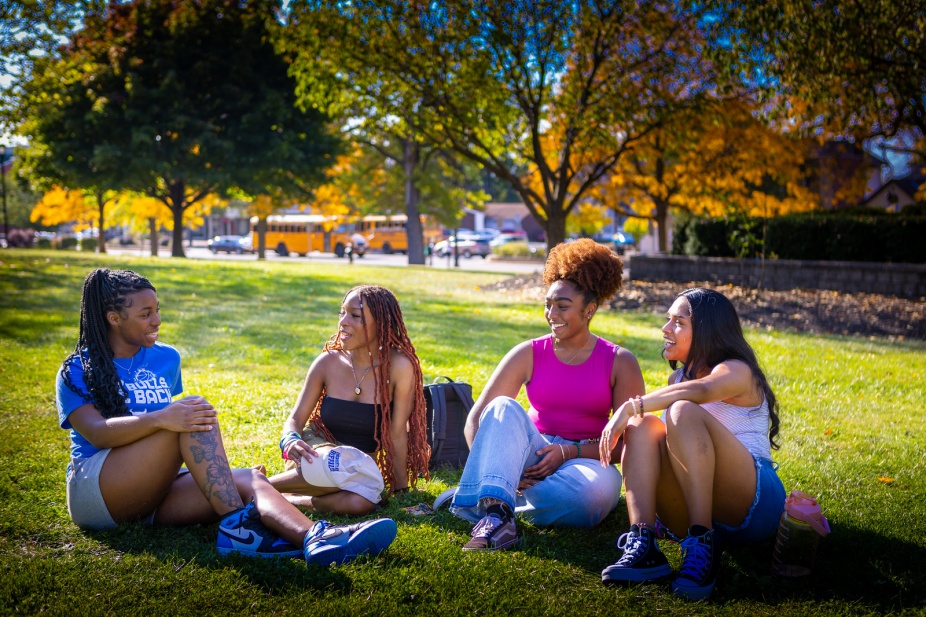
pixel 438 421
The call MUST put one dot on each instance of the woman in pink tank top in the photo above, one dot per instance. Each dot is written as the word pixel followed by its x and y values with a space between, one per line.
pixel 542 462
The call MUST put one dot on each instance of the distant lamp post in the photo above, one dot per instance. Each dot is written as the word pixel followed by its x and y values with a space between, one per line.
pixel 6 220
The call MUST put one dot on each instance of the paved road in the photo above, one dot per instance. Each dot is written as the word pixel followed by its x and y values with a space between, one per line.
pixel 370 259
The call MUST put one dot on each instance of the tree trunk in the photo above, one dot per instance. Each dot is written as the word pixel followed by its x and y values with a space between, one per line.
pixel 177 197
pixel 414 230
pixel 101 242
pixel 555 225
pixel 153 232
pixel 262 237
pixel 662 216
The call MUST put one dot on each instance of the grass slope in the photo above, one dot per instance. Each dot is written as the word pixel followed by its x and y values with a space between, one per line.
pixel 852 434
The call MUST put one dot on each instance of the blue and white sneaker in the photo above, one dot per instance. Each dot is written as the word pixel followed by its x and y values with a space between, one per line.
pixel 242 532
pixel 327 544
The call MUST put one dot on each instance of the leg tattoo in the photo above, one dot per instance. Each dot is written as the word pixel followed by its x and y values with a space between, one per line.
pixel 218 482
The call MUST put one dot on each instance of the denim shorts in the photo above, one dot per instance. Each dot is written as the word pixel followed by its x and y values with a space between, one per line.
pixel 761 522
pixel 84 498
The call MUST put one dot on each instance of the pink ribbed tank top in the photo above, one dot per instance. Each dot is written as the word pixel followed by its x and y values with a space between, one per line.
pixel 572 401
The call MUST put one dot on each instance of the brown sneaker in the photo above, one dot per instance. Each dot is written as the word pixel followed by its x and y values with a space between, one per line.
pixel 493 533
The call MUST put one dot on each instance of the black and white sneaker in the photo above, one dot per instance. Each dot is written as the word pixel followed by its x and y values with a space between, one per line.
pixel 642 560
pixel 700 562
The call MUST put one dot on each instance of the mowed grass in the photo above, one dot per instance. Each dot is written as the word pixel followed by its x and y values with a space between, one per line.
pixel 852 434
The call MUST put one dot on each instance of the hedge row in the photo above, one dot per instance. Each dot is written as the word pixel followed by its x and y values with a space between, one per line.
pixel 822 237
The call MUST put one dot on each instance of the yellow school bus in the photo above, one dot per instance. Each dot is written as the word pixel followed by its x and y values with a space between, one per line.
pixel 294 233
pixel 389 233
pixel 305 233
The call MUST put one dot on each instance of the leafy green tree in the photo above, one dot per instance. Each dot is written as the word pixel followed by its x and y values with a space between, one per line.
pixel 178 99
pixel 841 69
pixel 30 29
pixel 376 114
pixel 563 88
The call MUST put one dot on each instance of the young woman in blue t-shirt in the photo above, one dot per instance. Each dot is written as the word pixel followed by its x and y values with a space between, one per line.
pixel 130 440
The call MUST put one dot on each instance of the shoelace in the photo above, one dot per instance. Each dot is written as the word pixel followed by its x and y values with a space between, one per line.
pixel 637 547
pixel 696 557
pixel 486 526
pixel 664 533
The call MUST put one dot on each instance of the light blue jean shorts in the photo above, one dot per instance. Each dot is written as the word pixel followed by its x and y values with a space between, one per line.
pixel 761 522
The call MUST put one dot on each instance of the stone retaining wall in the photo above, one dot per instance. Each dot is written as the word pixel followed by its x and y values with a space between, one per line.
pixel 902 280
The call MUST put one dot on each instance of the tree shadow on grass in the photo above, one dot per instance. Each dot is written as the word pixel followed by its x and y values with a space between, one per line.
pixel 193 547
pixel 856 566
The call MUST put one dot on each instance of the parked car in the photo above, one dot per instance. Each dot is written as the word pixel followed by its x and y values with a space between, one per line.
pixel 479 234
pixel 231 244
pixel 467 247
pixel 501 239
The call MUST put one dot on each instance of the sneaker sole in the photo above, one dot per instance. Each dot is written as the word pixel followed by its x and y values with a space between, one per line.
pixel 489 549
pixel 225 551
pixel 694 594
pixel 612 575
pixel 371 540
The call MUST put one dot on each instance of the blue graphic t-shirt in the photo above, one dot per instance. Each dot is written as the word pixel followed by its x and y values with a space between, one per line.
pixel 151 378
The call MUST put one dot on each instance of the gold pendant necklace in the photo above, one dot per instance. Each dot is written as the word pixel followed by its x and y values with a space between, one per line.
pixel 576 354
pixel 362 377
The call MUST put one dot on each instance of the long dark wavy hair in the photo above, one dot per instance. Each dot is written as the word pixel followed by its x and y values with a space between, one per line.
pixel 392 334
pixel 717 336
pixel 104 291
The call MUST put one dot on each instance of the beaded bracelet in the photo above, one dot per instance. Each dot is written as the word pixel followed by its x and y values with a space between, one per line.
pixel 633 406
pixel 579 450
pixel 640 400
pixel 287 439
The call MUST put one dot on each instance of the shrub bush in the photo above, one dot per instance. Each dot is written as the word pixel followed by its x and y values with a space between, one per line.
pixel 66 243
pixel 518 249
pixel 814 236
pixel 43 243
pixel 88 244
pixel 20 238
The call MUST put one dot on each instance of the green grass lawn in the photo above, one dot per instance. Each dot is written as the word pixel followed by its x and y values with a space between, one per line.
pixel 853 434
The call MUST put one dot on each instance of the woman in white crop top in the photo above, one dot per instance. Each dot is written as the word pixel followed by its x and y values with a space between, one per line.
pixel 705 468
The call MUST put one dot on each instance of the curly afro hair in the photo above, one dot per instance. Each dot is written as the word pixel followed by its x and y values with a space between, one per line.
pixel 593 268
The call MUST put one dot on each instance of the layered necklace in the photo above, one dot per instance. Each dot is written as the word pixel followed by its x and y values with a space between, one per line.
pixel 362 377
pixel 576 354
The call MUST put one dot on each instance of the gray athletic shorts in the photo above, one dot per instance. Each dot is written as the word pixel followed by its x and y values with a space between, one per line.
pixel 85 500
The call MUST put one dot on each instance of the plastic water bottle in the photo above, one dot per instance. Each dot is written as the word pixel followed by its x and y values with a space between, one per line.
pixel 801 526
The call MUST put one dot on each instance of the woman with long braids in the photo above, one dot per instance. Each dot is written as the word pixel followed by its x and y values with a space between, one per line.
pixel 542 463
pixel 130 438
pixel 705 467
pixel 362 398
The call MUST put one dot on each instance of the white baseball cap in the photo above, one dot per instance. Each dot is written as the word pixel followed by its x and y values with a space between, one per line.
pixel 346 468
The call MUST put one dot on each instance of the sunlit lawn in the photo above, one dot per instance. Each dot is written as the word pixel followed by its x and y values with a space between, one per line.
pixel 852 433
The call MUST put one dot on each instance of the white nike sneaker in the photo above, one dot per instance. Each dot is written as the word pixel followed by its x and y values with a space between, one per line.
pixel 326 544
pixel 242 532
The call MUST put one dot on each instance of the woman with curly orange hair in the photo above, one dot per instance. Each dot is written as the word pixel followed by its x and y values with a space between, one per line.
pixel 542 463
pixel 360 420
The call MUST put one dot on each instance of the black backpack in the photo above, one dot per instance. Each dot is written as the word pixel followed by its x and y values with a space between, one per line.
pixel 449 404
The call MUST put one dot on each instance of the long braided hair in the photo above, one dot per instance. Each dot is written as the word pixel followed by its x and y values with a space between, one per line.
pixel 391 334
pixel 104 291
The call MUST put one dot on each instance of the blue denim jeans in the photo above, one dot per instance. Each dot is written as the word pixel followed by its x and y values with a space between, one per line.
pixel 581 493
